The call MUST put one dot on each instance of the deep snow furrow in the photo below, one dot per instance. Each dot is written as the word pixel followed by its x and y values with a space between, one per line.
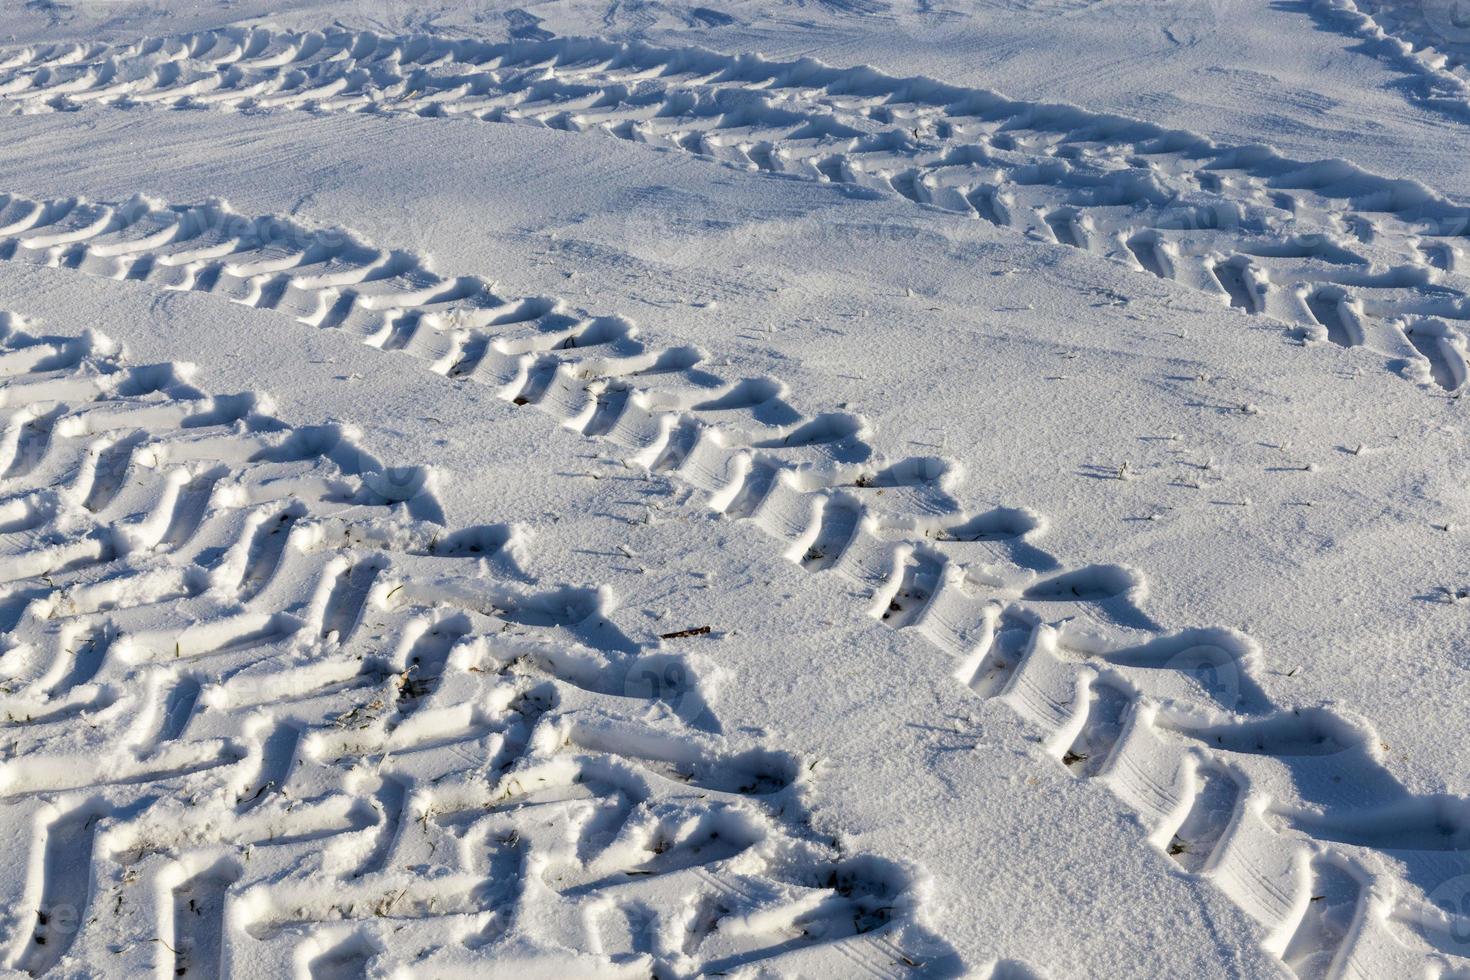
pixel 1174 723
pixel 1242 224
pixel 369 737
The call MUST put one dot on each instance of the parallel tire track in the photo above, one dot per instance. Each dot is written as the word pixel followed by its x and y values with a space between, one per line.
pixel 256 713
pixel 1343 255
pixel 1272 804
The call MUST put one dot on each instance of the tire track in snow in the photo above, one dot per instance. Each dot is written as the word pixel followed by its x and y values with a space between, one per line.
pixel 1260 799
pixel 1243 224
pixel 384 739
pixel 1428 40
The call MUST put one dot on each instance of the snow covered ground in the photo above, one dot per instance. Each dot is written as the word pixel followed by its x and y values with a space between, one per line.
pixel 763 489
